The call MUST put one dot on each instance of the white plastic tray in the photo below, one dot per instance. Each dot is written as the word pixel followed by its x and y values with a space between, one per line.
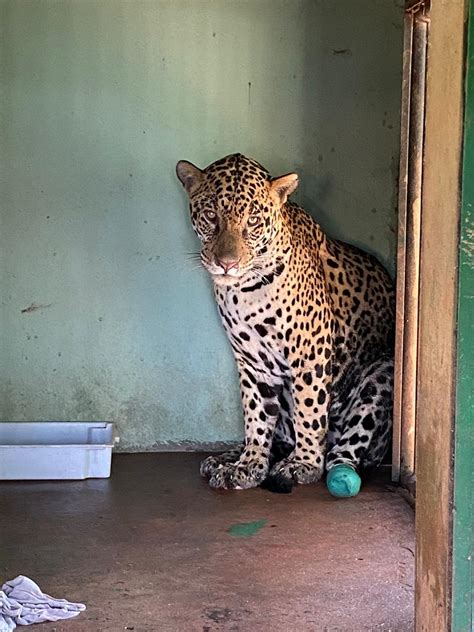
pixel 55 450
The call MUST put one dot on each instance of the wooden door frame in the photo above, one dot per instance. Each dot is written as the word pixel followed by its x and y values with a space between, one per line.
pixel 438 316
pixel 413 104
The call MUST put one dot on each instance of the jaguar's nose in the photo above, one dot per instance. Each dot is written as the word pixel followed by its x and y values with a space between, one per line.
pixel 227 264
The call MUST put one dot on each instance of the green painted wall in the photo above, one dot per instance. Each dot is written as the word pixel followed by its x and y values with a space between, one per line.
pixel 99 100
pixel 463 515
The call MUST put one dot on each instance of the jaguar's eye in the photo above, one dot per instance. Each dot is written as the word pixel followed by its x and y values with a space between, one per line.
pixel 253 220
pixel 210 216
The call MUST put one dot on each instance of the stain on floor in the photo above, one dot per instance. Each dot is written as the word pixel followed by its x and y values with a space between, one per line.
pixel 246 529
pixel 152 549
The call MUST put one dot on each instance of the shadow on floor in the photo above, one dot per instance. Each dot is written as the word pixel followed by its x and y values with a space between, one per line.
pixel 153 549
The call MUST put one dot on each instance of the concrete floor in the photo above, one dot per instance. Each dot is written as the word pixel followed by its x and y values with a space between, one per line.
pixel 150 550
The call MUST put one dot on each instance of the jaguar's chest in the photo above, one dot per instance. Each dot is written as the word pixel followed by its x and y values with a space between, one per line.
pixel 248 315
pixel 253 327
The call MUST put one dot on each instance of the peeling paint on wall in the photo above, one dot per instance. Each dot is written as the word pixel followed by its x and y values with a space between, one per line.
pixel 34 307
pixel 467 243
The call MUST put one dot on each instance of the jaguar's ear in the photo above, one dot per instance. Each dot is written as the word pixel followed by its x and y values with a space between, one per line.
pixel 190 175
pixel 283 186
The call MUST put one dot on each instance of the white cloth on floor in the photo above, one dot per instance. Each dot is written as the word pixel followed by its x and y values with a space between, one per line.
pixel 7 613
pixel 22 603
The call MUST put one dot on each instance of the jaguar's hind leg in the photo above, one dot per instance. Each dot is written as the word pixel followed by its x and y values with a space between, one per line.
pixel 362 430
pixel 284 435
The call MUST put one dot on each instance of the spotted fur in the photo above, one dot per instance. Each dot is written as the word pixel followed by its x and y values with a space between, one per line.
pixel 310 321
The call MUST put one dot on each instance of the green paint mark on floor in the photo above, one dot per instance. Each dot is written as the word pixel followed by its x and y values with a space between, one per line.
pixel 246 529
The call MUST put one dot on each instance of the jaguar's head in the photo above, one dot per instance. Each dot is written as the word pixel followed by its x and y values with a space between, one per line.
pixel 235 211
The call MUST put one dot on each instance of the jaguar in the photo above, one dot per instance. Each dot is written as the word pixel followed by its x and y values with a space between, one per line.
pixel 311 323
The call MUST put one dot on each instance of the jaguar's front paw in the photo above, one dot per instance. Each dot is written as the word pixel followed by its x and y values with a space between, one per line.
pixel 298 471
pixel 221 476
pixel 239 475
pixel 209 465
pixel 248 475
